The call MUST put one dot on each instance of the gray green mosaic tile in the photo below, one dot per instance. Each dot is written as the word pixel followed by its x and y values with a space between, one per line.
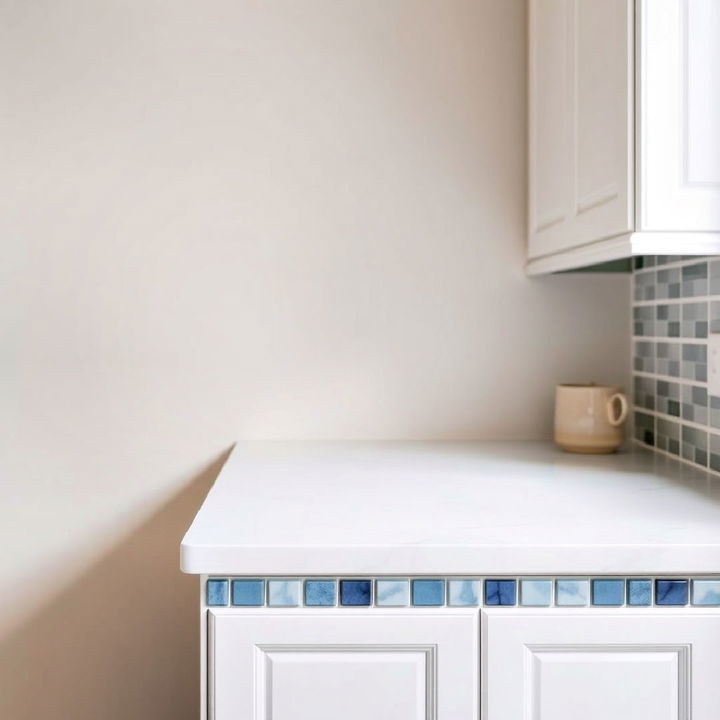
pixel 695 404
pixel 645 428
pixel 644 356
pixel 695 279
pixel 695 320
pixel 667 360
pixel 644 392
pixel 667 283
pixel 714 411
pixel 714 272
pixel 644 321
pixel 715 452
pixel 715 316
pixel 667 436
pixel 695 445
pixel 645 286
pixel 668 398
pixel 667 320
pixel 694 362
pixel 684 294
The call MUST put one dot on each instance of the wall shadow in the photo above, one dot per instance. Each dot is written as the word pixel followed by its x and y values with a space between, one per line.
pixel 122 641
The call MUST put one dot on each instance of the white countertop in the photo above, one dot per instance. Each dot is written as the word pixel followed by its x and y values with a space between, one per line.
pixel 453 508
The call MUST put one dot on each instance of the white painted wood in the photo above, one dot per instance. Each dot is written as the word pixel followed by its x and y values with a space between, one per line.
pixel 581 127
pixel 679 77
pixel 453 508
pixel 354 665
pixel 624 246
pixel 595 665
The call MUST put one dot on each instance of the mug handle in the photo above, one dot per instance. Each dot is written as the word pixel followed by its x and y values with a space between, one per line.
pixel 613 419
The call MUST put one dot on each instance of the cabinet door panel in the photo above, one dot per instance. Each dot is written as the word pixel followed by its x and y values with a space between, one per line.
pixel 604 80
pixel 644 665
pixel 550 162
pixel 354 665
pixel 581 123
pixel 680 115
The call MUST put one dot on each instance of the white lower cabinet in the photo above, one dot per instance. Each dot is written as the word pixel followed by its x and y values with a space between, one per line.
pixel 344 665
pixel 601 665
pixel 464 664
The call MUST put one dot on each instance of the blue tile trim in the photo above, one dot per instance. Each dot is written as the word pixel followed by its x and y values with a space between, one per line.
pixel 392 593
pixel 608 592
pixel 463 592
pixel 248 593
pixel 355 593
pixel 283 593
pixel 639 592
pixel 216 592
pixel 500 592
pixel 671 592
pixel 571 593
pixel 428 592
pixel 320 593
pixel 706 592
pixel 535 593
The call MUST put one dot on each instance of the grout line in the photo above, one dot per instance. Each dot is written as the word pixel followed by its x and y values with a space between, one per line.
pixel 677 301
pixel 670 378
pixel 673 340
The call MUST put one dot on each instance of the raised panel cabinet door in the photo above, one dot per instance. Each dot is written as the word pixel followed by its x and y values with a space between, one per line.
pixel 581 122
pixel 679 82
pixel 343 664
pixel 595 665
pixel 550 123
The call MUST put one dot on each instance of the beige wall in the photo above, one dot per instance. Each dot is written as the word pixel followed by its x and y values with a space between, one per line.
pixel 235 218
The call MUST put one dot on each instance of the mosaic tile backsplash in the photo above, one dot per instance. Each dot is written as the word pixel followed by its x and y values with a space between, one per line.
pixel 676 305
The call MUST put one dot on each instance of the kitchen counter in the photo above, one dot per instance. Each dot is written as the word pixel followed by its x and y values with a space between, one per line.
pixel 453 508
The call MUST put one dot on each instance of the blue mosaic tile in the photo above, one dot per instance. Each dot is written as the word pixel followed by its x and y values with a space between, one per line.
pixel 608 592
pixel 320 593
pixel 428 592
pixel 500 592
pixel 671 592
pixel 355 592
pixel 536 593
pixel 216 592
pixel 249 593
pixel 431 592
pixel 571 593
pixel 392 593
pixel 639 592
pixel 283 593
pixel 706 592
pixel 463 592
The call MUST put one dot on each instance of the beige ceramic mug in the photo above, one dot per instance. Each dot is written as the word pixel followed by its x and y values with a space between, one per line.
pixel 589 418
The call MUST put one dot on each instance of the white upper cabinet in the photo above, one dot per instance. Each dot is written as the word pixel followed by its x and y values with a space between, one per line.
pixel 624 146
pixel 581 119
pixel 679 115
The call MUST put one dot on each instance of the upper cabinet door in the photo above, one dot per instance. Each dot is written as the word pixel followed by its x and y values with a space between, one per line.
pixel 679 82
pixel 343 665
pixel 595 665
pixel 581 122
